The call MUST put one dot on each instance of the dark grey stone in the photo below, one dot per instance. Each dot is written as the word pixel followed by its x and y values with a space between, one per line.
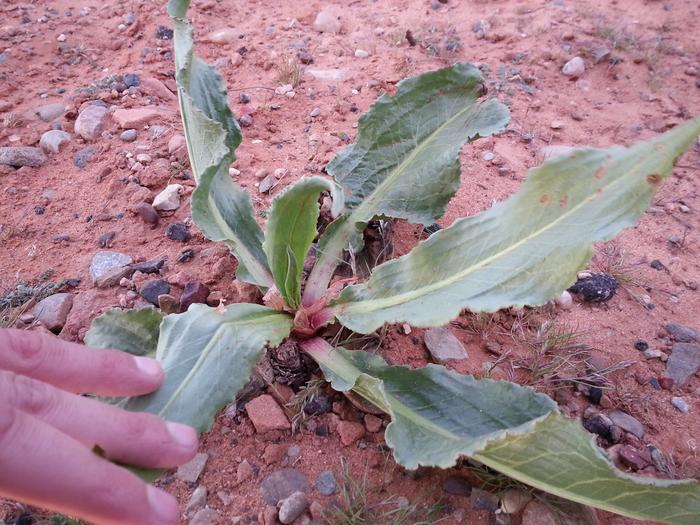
pixel 131 80
pixel 443 345
pixel 152 289
pixel 595 287
pixel 601 425
pixel 457 486
pixel 627 422
pixel 483 500
pixel 281 484
pixel 319 405
pixel 107 268
pixel 326 484
pixel 682 334
pixel 153 266
pixel 683 362
pixel 22 156
pixel 178 232
pixel 83 156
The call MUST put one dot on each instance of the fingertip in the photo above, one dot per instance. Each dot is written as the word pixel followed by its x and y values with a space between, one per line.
pixel 185 436
pixel 150 369
pixel 163 506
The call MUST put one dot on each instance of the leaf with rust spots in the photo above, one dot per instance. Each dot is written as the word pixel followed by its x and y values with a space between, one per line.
pixel 521 251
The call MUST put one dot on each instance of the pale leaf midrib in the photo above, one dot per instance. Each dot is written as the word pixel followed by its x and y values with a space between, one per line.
pixel 385 186
pixel 336 245
pixel 202 359
pixel 368 305
pixel 406 412
pixel 256 269
pixel 642 485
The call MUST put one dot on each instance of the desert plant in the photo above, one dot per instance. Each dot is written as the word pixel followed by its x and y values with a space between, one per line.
pixel 404 164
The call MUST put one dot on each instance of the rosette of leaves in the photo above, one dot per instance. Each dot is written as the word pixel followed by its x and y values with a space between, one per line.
pixel 404 164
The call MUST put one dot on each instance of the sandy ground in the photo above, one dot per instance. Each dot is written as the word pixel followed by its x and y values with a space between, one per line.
pixel 641 78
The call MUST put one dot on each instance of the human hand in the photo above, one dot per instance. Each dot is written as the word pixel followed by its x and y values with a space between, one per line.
pixel 47 432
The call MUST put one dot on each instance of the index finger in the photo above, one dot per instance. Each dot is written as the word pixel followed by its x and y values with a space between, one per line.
pixel 75 367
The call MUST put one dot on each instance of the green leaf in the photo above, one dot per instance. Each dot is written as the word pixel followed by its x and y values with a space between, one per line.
pixel 207 355
pixel 223 211
pixel 133 331
pixel 291 228
pixel 405 160
pixel 525 250
pixel 178 8
pixel 220 208
pixel 439 415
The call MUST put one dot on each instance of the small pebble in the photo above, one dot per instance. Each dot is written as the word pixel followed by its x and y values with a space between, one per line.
pixel 178 232
pixel 651 353
pixel 680 404
pixel 148 213
pixel 292 507
pixel 128 136
pixel 574 67
pixel 564 301
pixel 641 345
pixel 185 255
pixel 326 484
pixel 105 240
pixel 361 53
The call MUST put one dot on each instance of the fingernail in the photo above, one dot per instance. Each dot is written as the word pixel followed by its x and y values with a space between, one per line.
pixel 148 366
pixel 183 435
pixel 163 506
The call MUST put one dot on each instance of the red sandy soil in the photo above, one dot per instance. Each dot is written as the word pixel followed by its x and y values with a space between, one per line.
pixel 648 84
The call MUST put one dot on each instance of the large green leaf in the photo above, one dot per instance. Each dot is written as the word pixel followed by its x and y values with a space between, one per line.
pixel 291 228
pixel 405 160
pixel 220 208
pixel 439 415
pixel 208 355
pixel 525 250
pixel 133 331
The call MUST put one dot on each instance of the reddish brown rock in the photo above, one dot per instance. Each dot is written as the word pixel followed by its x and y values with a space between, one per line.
pixel 53 311
pixel 148 213
pixel 244 471
pixel 273 453
pixel 282 393
pixel 266 414
pixel 372 423
pixel 138 117
pixel 633 458
pixel 350 432
pixel 215 298
pixel 91 122
pixel 194 292
pixel 666 383
pixel 155 88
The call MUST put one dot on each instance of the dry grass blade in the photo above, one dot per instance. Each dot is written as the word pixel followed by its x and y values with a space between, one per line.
pixel 357 508
pixel 288 70
pixel 298 403
pixel 24 291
